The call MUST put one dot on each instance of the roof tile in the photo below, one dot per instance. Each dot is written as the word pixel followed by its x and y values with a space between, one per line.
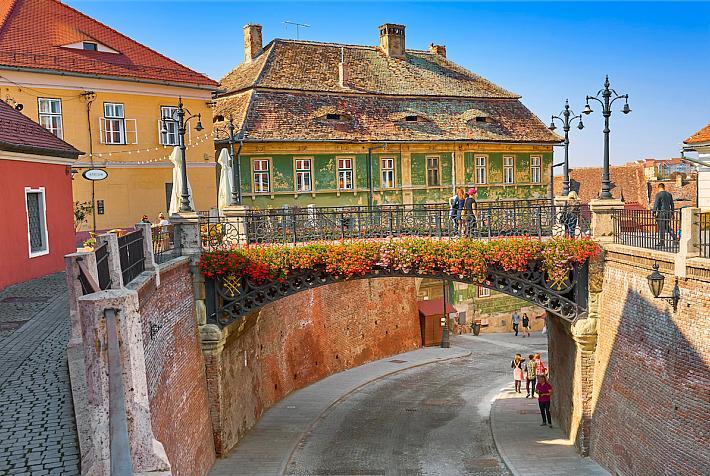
pixel 702 136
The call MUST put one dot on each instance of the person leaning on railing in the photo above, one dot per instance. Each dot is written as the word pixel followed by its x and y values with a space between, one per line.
pixel 470 208
pixel 570 213
pixel 663 208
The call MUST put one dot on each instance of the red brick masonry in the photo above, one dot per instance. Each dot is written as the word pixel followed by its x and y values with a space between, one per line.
pixel 175 370
pixel 301 339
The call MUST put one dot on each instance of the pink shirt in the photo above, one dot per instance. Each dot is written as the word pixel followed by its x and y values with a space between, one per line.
pixel 543 391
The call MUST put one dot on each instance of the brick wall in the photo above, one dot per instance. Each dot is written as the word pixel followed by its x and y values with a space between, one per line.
pixel 298 340
pixel 562 355
pixel 651 382
pixel 175 371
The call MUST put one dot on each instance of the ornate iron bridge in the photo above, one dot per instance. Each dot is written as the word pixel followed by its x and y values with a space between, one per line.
pixel 233 298
pixel 300 225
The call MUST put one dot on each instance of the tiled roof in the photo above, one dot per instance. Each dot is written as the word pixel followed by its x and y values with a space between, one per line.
pixel 20 134
pixel 34 34
pixel 435 307
pixel 702 136
pixel 287 116
pixel 310 66
pixel 627 181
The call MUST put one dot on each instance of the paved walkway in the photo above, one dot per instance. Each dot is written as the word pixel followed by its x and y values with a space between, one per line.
pixel 37 427
pixel 529 449
pixel 267 448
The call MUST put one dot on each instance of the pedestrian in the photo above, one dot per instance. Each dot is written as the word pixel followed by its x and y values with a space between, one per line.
pixel 531 376
pixel 470 209
pixel 144 219
pixel 516 322
pixel 526 324
pixel 457 205
pixel 544 390
pixel 663 208
pixel 570 213
pixel 540 368
pixel 162 221
pixel 517 365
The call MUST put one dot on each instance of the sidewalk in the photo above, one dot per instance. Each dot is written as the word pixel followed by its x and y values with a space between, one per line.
pixel 529 449
pixel 267 448
pixel 37 428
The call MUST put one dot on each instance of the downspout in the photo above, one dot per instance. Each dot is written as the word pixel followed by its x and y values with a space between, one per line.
pixel 90 96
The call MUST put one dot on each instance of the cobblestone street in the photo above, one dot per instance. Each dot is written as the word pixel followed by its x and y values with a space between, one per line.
pixel 37 427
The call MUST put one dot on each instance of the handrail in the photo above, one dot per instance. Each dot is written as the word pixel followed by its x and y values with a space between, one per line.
pixel 121 463
pixel 88 283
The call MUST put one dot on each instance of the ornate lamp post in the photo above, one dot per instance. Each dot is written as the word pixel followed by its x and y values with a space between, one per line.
pixel 179 117
pixel 606 103
pixel 236 162
pixel 655 283
pixel 567 117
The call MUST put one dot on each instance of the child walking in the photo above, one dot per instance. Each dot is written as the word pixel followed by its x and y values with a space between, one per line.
pixel 517 365
pixel 544 390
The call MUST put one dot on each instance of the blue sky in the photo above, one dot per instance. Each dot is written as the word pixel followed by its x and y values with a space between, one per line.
pixel 656 52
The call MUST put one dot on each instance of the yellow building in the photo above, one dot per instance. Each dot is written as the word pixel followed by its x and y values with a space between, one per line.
pixel 111 97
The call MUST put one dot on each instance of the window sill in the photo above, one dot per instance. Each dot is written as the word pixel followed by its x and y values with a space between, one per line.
pixel 37 254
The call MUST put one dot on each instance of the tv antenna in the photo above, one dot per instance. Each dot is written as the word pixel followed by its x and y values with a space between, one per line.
pixel 297 25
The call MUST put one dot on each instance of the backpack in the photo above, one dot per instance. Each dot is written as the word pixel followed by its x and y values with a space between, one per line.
pixel 541 370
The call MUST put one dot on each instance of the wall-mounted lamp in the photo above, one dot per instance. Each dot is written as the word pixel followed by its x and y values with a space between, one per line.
pixel 11 101
pixel 655 283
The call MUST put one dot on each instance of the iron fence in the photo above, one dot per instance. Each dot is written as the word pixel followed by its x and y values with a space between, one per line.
pixel 704 230
pixel 130 250
pixel 163 243
pixel 437 220
pixel 102 266
pixel 648 229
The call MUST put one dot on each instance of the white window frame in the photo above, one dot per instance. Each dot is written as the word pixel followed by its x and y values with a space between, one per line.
pixel 261 173
pixel 167 122
pixel 536 169
pixel 481 169
pixel 50 115
pixel 508 169
pixel 484 292
pixel 127 128
pixel 387 172
pixel 438 170
pixel 303 174
pixel 43 225
pixel 346 174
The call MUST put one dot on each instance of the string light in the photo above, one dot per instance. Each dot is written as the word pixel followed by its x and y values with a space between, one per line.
pixel 198 141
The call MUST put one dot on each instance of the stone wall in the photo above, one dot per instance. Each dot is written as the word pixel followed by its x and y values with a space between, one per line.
pixel 303 338
pixel 175 372
pixel 651 378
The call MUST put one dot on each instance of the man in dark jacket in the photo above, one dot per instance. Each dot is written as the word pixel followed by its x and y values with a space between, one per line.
pixel 663 211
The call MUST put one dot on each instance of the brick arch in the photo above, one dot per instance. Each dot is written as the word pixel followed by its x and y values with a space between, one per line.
pixel 231 299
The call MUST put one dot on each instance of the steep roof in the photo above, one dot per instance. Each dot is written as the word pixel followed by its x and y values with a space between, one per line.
pixel 34 34
pixel 287 91
pixel 286 116
pixel 700 137
pixel 311 66
pixel 18 133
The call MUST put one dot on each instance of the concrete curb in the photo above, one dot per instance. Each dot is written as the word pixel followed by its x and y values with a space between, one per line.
pixel 503 455
pixel 347 395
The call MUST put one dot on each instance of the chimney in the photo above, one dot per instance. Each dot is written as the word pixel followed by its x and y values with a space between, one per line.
pixel 343 73
pixel 679 180
pixel 437 50
pixel 252 42
pixel 392 40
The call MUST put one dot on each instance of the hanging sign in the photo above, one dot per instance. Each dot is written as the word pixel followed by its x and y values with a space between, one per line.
pixel 95 174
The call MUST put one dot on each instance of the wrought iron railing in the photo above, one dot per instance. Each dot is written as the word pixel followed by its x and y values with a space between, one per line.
pixel 313 224
pixel 648 229
pixel 130 251
pixel 102 266
pixel 704 230
pixel 163 243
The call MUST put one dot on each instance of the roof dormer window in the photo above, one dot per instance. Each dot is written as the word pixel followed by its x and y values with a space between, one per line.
pixel 481 119
pixel 411 118
pixel 90 46
pixel 334 117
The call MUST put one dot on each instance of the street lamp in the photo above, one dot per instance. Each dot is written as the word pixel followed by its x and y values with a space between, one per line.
pixel 606 103
pixel 445 344
pixel 236 165
pixel 567 117
pixel 182 129
pixel 655 283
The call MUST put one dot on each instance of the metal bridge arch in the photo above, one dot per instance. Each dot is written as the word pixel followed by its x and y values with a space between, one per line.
pixel 233 298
